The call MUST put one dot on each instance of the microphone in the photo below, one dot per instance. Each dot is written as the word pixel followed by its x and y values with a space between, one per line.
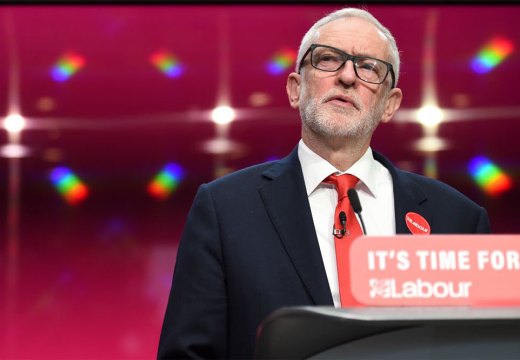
pixel 343 221
pixel 356 206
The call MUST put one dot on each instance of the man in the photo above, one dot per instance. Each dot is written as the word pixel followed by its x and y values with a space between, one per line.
pixel 261 238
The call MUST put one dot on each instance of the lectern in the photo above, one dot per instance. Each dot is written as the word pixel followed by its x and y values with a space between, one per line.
pixel 390 333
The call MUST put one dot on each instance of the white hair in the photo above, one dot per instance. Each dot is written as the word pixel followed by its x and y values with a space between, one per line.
pixel 313 33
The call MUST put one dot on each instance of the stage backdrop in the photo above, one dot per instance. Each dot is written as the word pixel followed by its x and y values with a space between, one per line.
pixel 111 131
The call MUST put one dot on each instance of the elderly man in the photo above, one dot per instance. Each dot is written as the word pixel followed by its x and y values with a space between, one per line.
pixel 272 235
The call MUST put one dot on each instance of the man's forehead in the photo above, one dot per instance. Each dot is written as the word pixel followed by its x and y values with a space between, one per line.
pixel 360 35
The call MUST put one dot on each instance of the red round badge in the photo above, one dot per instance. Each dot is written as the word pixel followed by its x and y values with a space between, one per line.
pixel 417 224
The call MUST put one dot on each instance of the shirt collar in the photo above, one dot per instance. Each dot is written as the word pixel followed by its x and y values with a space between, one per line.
pixel 315 169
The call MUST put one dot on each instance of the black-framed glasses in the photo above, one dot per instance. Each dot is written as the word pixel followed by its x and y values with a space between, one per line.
pixel 368 69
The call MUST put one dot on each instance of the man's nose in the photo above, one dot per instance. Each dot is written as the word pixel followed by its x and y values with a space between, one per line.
pixel 347 74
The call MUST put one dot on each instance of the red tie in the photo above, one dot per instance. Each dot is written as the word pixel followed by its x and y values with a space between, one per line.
pixel 342 242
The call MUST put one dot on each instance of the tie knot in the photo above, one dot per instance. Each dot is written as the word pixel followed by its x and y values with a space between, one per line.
pixel 342 183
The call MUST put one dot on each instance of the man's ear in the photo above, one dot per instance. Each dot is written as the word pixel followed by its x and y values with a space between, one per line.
pixel 393 102
pixel 293 89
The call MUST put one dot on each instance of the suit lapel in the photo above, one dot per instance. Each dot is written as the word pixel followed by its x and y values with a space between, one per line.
pixel 408 196
pixel 288 207
pixel 286 201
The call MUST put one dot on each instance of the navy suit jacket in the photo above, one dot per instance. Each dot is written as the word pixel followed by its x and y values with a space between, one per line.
pixel 249 247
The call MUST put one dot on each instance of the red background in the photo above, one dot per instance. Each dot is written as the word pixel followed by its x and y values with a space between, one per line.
pixel 92 280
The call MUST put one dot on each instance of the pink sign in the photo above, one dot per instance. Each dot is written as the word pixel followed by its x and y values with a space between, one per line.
pixel 436 270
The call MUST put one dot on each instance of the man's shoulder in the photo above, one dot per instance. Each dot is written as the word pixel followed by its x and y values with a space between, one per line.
pixel 426 182
pixel 242 177
pixel 254 176
pixel 433 189
pixel 437 189
pixel 258 174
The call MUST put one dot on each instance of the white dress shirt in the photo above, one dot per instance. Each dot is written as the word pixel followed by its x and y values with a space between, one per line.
pixel 376 196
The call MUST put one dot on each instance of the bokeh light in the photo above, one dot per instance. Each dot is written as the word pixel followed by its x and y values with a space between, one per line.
pixel 14 123
pixel 167 63
pixel 223 115
pixel 66 66
pixel 166 181
pixel 492 54
pixel 70 187
pixel 281 61
pixel 430 115
pixel 489 177
pixel 14 151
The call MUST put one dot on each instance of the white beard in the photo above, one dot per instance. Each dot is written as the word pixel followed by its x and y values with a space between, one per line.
pixel 330 121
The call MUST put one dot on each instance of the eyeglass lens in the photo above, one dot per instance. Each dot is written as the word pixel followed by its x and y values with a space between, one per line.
pixel 367 69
